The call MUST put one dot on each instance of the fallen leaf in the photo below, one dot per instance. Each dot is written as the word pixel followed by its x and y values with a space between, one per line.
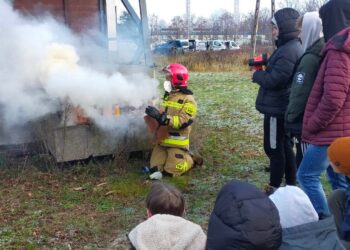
pixel 101 184
pixel 110 192
pixel 78 188
pixel 30 194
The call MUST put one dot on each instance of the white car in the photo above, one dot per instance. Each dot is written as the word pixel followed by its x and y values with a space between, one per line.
pixel 232 45
pixel 201 45
pixel 185 45
pixel 216 45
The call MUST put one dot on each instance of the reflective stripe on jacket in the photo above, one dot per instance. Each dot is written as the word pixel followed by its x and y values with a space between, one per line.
pixel 181 111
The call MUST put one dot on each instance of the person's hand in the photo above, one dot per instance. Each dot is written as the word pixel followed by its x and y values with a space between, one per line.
pixel 152 112
pixel 160 117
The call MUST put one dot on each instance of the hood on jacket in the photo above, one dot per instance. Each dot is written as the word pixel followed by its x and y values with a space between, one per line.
pixel 311 30
pixel 165 232
pixel 286 20
pixel 340 42
pixel 335 16
pixel 294 206
pixel 320 235
pixel 243 218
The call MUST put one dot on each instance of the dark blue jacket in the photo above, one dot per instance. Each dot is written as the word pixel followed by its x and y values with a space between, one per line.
pixel 243 218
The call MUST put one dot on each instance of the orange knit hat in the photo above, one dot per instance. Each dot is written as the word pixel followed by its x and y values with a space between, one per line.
pixel 339 155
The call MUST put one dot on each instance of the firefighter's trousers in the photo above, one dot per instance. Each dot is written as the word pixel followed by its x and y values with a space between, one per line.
pixel 174 161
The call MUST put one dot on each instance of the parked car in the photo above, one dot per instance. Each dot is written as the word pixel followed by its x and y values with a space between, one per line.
pixel 192 44
pixel 171 47
pixel 201 46
pixel 216 45
pixel 231 45
pixel 185 45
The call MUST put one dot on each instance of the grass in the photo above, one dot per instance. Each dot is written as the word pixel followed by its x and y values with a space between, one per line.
pixel 208 61
pixel 87 206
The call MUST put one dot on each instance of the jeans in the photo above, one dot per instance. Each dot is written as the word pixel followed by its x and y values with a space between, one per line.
pixel 314 163
pixel 336 180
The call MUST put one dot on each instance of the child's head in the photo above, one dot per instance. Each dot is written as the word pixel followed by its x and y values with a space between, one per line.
pixel 164 199
pixel 310 25
pixel 339 155
pixel 245 218
pixel 294 206
pixel 335 17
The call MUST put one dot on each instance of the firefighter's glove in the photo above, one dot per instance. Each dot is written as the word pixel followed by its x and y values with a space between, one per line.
pixel 160 117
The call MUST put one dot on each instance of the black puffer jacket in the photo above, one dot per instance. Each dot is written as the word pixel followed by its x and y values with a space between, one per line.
pixel 275 81
pixel 243 218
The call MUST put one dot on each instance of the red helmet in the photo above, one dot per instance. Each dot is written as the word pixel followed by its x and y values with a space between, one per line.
pixel 177 74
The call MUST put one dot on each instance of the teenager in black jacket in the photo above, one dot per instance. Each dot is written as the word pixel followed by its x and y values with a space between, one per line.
pixel 273 96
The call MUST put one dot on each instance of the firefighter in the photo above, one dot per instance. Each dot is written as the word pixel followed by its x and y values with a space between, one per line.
pixel 178 109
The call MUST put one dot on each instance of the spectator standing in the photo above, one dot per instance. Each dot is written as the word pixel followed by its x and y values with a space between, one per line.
pixel 327 113
pixel 305 73
pixel 273 96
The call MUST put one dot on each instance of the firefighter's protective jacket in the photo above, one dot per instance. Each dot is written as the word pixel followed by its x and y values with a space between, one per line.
pixel 181 110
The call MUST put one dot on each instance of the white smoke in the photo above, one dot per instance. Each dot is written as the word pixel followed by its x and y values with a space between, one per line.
pixel 41 69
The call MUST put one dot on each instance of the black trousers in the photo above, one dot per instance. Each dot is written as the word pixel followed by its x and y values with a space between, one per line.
pixel 300 148
pixel 278 147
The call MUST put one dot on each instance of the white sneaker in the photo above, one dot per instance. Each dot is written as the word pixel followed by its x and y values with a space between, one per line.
pixel 156 176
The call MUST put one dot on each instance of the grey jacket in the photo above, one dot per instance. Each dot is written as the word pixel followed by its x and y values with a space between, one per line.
pixel 319 235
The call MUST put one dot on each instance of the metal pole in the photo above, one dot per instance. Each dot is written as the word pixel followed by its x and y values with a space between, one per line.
pixel 145 33
pixel 272 13
pixel 188 14
pixel 255 28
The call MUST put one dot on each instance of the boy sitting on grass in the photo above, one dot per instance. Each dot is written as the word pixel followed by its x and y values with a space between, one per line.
pixel 165 228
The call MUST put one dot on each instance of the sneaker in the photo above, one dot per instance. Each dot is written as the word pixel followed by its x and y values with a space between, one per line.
pixel 269 189
pixel 156 176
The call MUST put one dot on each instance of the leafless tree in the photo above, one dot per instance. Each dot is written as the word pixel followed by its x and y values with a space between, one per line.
pixel 153 24
pixel 291 4
pixel 179 24
pixel 264 25
pixel 227 25
pixel 201 27
pixel 313 5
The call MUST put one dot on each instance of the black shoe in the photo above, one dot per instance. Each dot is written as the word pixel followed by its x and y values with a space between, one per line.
pixel 197 158
pixel 269 190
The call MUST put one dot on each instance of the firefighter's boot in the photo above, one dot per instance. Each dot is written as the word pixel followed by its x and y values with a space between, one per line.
pixel 197 159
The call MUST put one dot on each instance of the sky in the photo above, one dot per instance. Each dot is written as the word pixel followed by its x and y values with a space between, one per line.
pixel 166 9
